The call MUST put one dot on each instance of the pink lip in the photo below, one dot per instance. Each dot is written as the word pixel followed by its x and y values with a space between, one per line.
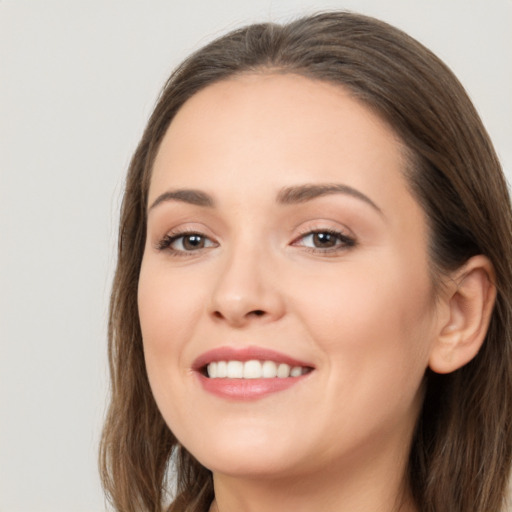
pixel 246 389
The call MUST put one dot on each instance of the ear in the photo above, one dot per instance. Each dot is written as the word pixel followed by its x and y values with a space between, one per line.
pixel 468 302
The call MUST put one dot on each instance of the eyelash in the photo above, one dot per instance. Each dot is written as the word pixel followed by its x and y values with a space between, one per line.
pixel 166 242
pixel 343 242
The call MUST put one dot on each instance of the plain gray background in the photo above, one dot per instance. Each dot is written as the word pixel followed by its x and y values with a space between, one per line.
pixel 77 83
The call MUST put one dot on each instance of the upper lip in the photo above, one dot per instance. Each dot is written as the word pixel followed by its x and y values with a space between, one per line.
pixel 245 354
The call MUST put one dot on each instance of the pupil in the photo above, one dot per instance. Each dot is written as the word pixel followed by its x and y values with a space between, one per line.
pixel 193 242
pixel 324 240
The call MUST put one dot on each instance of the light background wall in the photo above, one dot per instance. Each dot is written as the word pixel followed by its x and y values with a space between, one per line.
pixel 78 80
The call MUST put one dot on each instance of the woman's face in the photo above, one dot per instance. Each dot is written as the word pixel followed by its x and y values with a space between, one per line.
pixel 282 237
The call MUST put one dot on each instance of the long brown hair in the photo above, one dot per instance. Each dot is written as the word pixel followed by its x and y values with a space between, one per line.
pixel 462 446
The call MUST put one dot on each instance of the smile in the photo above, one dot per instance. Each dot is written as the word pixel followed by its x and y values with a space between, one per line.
pixel 248 373
pixel 253 369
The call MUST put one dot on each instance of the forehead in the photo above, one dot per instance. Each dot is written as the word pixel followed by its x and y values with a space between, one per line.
pixel 277 130
pixel 260 104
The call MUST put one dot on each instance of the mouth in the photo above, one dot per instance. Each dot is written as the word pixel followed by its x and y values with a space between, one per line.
pixel 253 369
pixel 248 373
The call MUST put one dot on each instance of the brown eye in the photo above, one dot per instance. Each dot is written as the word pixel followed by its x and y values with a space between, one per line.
pixel 324 240
pixel 192 242
pixel 185 242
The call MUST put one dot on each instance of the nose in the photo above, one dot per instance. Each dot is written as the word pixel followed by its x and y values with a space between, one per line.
pixel 246 290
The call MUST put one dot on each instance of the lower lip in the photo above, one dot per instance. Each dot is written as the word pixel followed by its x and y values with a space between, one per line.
pixel 247 389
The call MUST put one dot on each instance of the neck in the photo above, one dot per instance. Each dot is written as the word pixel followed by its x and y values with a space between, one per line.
pixel 375 488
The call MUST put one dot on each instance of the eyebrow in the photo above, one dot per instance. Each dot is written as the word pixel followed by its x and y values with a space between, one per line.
pixel 303 193
pixel 190 196
pixel 286 196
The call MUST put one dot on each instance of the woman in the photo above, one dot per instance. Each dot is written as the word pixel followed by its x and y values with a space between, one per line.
pixel 312 302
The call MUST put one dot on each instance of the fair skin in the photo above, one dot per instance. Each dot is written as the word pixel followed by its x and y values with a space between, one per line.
pixel 301 237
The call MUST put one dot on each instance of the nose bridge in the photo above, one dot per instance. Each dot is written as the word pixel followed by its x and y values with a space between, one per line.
pixel 245 289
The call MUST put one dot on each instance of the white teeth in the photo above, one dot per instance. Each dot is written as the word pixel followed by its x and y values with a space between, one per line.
pixel 222 369
pixel 269 369
pixel 296 371
pixel 235 370
pixel 212 370
pixel 252 369
pixel 283 370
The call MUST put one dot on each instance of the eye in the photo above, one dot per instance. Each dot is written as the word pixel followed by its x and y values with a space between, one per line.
pixel 185 242
pixel 325 240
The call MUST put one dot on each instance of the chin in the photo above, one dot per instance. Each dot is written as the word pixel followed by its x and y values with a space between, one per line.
pixel 245 453
pixel 256 466
pixel 245 467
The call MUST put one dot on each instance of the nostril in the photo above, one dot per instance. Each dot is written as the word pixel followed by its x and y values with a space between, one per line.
pixel 238 317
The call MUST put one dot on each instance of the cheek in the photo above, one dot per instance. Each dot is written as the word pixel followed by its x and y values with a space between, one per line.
pixel 168 303
pixel 372 319
pixel 374 331
pixel 169 308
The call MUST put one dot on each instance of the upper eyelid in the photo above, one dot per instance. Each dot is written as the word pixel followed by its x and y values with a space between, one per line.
pixel 347 239
pixel 339 232
pixel 319 225
pixel 193 233
pixel 164 243
pixel 344 243
pixel 303 229
pixel 182 230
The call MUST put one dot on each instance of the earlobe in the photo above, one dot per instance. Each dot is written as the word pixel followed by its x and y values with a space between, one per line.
pixel 469 299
